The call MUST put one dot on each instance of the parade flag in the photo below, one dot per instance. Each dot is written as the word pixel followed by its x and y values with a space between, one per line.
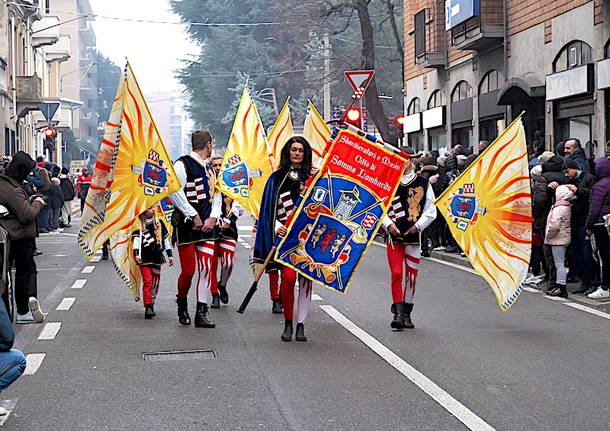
pixel 280 133
pixel 133 172
pixel 489 211
pixel 246 165
pixel 341 211
pixel 316 131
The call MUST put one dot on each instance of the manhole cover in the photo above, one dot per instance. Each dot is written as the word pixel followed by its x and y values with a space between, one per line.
pixel 179 355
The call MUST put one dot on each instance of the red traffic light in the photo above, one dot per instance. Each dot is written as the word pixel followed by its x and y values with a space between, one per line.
pixel 400 120
pixel 50 133
pixel 353 115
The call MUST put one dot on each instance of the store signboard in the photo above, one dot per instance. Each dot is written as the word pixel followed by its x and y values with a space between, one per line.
pixel 434 117
pixel 603 74
pixel 458 11
pixel 571 82
pixel 412 123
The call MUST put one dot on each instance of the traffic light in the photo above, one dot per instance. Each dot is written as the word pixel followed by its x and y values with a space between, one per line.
pixel 400 120
pixel 353 116
pixel 49 139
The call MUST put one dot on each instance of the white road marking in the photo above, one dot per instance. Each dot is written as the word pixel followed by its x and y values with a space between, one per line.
pixel 96 258
pixel 65 304
pixel 555 298
pixel 79 284
pixel 34 361
pixel 316 297
pixel 588 309
pixel 9 405
pixel 49 331
pixel 88 269
pixel 531 289
pixel 438 394
pixel 245 227
pixel 244 235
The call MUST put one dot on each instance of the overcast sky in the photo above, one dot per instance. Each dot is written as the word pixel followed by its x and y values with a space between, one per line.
pixel 154 50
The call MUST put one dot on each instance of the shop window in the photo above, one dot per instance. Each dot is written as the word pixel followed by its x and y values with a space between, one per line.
pixel 414 107
pixel 461 91
pixel 492 81
pixel 437 99
pixel 574 54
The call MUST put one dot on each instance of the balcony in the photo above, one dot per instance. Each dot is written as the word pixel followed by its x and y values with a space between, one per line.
pixel 28 93
pixel 59 51
pixel 42 35
pixel 430 37
pixel 478 28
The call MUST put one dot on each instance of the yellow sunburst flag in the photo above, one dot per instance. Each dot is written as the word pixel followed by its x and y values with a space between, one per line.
pixel 133 172
pixel 280 133
pixel 246 164
pixel 317 133
pixel 489 211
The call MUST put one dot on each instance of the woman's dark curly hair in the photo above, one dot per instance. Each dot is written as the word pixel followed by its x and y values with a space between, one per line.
pixel 305 169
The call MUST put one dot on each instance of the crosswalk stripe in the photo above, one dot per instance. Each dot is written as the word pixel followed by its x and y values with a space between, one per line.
pixel 49 331
pixel 88 269
pixel 34 361
pixel 65 304
pixel 78 284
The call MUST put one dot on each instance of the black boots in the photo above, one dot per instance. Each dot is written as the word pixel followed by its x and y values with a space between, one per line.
pixel 287 334
pixel 407 321
pixel 202 316
pixel 149 311
pixel 402 316
pixel 398 309
pixel 559 291
pixel 215 301
pixel 183 311
pixel 224 295
pixel 300 334
pixel 277 306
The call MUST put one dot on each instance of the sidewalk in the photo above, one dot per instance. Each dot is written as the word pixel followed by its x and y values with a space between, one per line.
pixel 458 259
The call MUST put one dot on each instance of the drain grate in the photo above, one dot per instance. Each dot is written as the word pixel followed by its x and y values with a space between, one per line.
pixel 179 355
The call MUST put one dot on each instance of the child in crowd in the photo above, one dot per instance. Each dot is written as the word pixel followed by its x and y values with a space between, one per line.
pixel 149 245
pixel 558 236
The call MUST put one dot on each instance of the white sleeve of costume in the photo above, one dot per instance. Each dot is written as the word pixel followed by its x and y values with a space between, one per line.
pixel 179 198
pixel 386 222
pixel 236 209
pixel 136 242
pixel 216 206
pixel 429 213
pixel 167 245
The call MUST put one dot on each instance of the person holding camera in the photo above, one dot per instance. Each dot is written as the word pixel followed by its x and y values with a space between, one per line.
pixel 20 224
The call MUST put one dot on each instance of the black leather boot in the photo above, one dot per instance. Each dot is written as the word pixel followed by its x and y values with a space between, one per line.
pixel 398 309
pixel 559 291
pixel 183 311
pixel 202 316
pixel 300 334
pixel 277 306
pixel 287 334
pixel 407 322
pixel 215 301
pixel 224 295
pixel 149 311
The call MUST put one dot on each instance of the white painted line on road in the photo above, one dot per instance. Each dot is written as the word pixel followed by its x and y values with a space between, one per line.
pixel 88 269
pixel 96 258
pixel 50 330
pixel 78 284
pixel 65 304
pixel 438 394
pixel 33 361
pixel 99 251
pixel 245 227
pixel 588 309
pixel 555 298
pixel 9 405
pixel 244 235
pixel 316 297
pixel 531 290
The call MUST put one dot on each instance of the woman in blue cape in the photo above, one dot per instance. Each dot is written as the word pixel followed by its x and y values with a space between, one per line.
pixel 279 199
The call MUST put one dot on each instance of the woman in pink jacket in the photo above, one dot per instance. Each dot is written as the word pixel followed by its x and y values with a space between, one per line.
pixel 558 236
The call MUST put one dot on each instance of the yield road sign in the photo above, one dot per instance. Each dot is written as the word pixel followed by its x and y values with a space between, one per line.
pixel 359 79
pixel 48 110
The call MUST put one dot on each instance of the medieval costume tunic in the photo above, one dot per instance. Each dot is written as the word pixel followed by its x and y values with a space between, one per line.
pixel 279 200
pixel 197 249
pixel 412 205
pixel 150 243
pixel 225 250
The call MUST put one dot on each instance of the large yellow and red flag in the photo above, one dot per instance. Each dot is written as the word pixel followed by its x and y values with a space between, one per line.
pixel 280 133
pixel 489 211
pixel 132 173
pixel 246 164
pixel 317 133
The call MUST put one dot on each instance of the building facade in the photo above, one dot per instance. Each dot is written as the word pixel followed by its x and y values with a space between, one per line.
pixel 472 66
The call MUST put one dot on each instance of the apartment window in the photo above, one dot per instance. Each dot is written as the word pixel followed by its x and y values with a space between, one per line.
pixel 414 107
pixel 461 91
pixel 420 33
pixel 574 54
pixel 437 99
pixel 492 81
pixel 607 49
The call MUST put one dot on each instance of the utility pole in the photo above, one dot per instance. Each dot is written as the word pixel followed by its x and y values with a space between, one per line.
pixel 326 77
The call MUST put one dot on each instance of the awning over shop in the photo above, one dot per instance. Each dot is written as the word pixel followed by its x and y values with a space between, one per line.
pixel 515 88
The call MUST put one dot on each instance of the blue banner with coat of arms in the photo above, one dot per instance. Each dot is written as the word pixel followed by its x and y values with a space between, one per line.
pixel 341 211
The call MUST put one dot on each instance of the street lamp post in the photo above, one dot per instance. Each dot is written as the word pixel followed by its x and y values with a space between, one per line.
pixel 268 95
pixel 61 78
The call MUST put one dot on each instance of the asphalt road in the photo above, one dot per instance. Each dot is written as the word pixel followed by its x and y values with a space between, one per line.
pixel 540 366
